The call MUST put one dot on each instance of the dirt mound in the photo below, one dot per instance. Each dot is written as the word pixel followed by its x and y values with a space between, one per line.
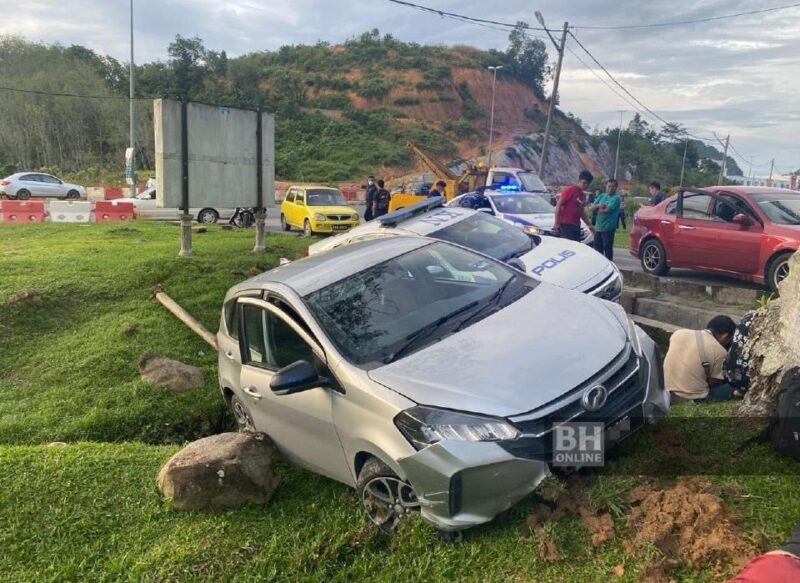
pixel 688 522
pixel 25 298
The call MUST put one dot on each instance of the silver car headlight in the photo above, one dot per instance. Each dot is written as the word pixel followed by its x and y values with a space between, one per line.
pixel 634 337
pixel 318 217
pixel 424 426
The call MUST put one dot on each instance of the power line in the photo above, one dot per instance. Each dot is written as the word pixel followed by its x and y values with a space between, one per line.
pixel 693 21
pixel 56 94
pixel 463 17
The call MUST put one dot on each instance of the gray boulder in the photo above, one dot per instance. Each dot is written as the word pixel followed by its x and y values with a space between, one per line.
pixel 166 373
pixel 221 471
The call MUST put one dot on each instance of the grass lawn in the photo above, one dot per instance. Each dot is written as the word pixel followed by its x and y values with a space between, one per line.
pixel 91 510
pixel 622 237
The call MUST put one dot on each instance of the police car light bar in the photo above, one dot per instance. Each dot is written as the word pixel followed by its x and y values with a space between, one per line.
pixel 403 214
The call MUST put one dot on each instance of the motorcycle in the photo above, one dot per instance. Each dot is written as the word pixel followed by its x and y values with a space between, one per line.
pixel 243 218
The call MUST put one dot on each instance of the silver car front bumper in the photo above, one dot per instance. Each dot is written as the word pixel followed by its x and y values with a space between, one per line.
pixel 463 484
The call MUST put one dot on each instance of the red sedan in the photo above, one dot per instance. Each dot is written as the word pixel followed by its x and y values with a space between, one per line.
pixel 744 232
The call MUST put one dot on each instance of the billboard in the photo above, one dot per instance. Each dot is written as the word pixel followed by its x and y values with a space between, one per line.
pixel 221 157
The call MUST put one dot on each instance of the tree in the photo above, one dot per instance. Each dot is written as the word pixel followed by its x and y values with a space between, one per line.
pixel 527 58
pixel 187 59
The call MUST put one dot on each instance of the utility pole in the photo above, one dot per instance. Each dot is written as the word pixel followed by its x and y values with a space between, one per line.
pixel 771 170
pixel 619 137
pixel 683 165
pixel 724 159
pixel 554 95
pixel 491 119
pixel 132 117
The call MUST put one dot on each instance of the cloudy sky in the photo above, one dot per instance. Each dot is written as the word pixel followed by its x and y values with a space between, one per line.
pixel 738 76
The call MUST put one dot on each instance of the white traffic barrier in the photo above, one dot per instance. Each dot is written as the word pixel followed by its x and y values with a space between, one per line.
pixel 70 211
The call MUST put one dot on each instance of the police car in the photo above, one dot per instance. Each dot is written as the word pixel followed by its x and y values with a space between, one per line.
pixel 530 212
pixel 561 262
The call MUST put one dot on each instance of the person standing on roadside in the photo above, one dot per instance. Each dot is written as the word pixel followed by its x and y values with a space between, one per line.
pixel 607 207
pixel 570 208
pixel 380 205
pixel 370 198
pixel 438 189
pixel 656 196
pixel 592 201
pixel 623 207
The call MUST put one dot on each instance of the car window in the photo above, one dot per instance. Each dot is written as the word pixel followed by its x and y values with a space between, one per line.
pixel 290 196
pixel 486 234
pixel 695 206
pixel 740 206
pixel 300 197
pixel 783 209
pixel 724 211
pixel 270 341
pixel 232 319
pixel 50 179
pixel 375 312
pixel 504 179
pixel 672 208
pixel 30 178
pixel 522 204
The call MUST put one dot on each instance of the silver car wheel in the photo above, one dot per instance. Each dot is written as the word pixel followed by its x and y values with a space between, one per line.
pixel 244 423
pixel 208 216
pixel 651 257
pixel 388 500
pixel 782 272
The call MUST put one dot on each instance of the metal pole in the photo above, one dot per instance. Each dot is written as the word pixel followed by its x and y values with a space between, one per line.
pixel 186 218
pixel 683 165
pixel 771 169
pixel 619 137
pixel 491 118
pixel 260 214
pixel 724 159
pixel 132 116
pixel 553 100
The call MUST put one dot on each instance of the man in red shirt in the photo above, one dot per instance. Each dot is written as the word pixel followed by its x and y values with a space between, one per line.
pixel 781 565
pixel 570 208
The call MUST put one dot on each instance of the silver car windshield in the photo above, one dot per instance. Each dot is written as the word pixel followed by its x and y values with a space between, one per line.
pixel 487 234
pixel 522 204
pixel 399 306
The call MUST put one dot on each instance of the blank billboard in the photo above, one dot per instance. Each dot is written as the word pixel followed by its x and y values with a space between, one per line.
pixel 222 155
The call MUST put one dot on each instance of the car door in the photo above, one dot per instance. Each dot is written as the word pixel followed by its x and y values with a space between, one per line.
pixel 52 186
pixel 734 246
pixel 690 232
pixel 33 184
pixel 287 205
pixel 299 208
pixel 300 424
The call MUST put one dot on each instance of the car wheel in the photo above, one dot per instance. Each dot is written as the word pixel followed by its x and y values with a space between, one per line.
pixel 244 421
pixel 307 228
pixel 207 216
pixel 386 497
pixel 778 271
pixel 73 195
pixel 284 225
pixel 654 258
pixel 23 194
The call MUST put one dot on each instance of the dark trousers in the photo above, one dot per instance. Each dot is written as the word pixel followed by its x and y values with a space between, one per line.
pixel 604 243
pixel 622 221
pixel 572 232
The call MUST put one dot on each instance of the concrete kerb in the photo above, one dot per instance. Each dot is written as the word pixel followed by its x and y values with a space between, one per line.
pixel 673 287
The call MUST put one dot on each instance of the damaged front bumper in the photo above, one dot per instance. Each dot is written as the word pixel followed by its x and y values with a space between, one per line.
pixel 461 484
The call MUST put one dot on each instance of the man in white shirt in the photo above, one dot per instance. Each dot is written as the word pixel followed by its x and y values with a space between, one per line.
pixel 693 367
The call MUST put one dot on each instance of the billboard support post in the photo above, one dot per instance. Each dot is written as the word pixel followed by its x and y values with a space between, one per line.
pixel 261 216
pixel 186 218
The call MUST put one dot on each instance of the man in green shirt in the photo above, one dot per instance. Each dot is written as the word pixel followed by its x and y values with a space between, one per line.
pixel 608 207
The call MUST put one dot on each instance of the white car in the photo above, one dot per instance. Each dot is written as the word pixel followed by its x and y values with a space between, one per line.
pixel 145 203
pixel 531 212
pixel 561 262
pixel 25 185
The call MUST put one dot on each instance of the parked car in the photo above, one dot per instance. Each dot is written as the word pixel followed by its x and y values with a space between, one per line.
pixel 145 203
pixel 446 406
pixel 316 209
pixel 25 185
pixel 744 232
pixel 557 261
pixel 532 212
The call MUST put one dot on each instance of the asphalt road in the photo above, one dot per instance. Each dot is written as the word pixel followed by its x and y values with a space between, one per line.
pixel 625 260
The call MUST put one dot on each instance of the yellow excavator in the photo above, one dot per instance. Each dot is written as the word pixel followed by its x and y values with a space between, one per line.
pixel 473 177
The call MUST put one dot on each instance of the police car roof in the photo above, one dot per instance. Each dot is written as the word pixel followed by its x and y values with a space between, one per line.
pixel 400 215
pixel 318 271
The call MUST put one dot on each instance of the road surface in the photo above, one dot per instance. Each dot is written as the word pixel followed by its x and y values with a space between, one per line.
pixel 625 260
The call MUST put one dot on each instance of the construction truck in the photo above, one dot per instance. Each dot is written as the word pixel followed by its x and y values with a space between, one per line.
pixel 475 176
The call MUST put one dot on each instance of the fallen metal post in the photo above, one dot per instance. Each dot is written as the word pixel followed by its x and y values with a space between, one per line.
pixel 185 317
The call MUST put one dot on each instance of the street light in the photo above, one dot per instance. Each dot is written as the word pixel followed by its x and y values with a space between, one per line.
pixel 132 117
pixel 491 118
pixel 619 137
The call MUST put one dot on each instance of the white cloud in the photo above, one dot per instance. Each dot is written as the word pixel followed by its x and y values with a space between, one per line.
pixel 734 45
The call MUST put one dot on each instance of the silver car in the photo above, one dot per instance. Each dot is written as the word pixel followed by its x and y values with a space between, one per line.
pixel 380 366
pixel 25 185
pixel 145 204
pixel 559 261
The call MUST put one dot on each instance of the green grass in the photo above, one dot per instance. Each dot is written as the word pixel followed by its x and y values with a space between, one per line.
pixel 622 237
pixel 92 511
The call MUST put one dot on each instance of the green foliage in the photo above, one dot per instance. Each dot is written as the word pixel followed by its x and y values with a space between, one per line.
pixel 373 86
pixel 406 100
pixel 430 85
pixel 462 128
pixel 527 59
pixel 333 101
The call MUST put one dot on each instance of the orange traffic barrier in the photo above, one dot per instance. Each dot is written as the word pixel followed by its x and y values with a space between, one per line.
pixel 107 210
pixel 28 211
pixel 112 193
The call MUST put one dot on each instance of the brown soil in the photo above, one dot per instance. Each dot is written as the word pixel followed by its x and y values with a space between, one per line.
pixel 548 551
pixel 25 298
pixel 690 522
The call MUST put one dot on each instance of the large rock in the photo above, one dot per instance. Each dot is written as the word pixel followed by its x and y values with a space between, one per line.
pixel 166 373
pixel 221 471
pixel 773 346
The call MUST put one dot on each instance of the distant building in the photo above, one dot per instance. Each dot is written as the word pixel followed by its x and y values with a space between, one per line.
pixel 778 181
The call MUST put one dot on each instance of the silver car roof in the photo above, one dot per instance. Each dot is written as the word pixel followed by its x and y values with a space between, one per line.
pixel 318 271
pixel 433 220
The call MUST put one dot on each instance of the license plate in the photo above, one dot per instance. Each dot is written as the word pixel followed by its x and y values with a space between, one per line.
pixel 340 227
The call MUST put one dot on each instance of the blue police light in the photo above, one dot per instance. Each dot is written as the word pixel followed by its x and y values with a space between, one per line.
pixel 403 214
pixel 510 188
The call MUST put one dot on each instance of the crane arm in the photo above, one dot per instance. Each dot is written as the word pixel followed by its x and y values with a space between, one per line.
pixel 435 166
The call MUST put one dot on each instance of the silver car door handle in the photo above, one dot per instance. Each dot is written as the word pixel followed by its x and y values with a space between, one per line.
pixel 686 227
pixel 252 392
pixel 666 222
